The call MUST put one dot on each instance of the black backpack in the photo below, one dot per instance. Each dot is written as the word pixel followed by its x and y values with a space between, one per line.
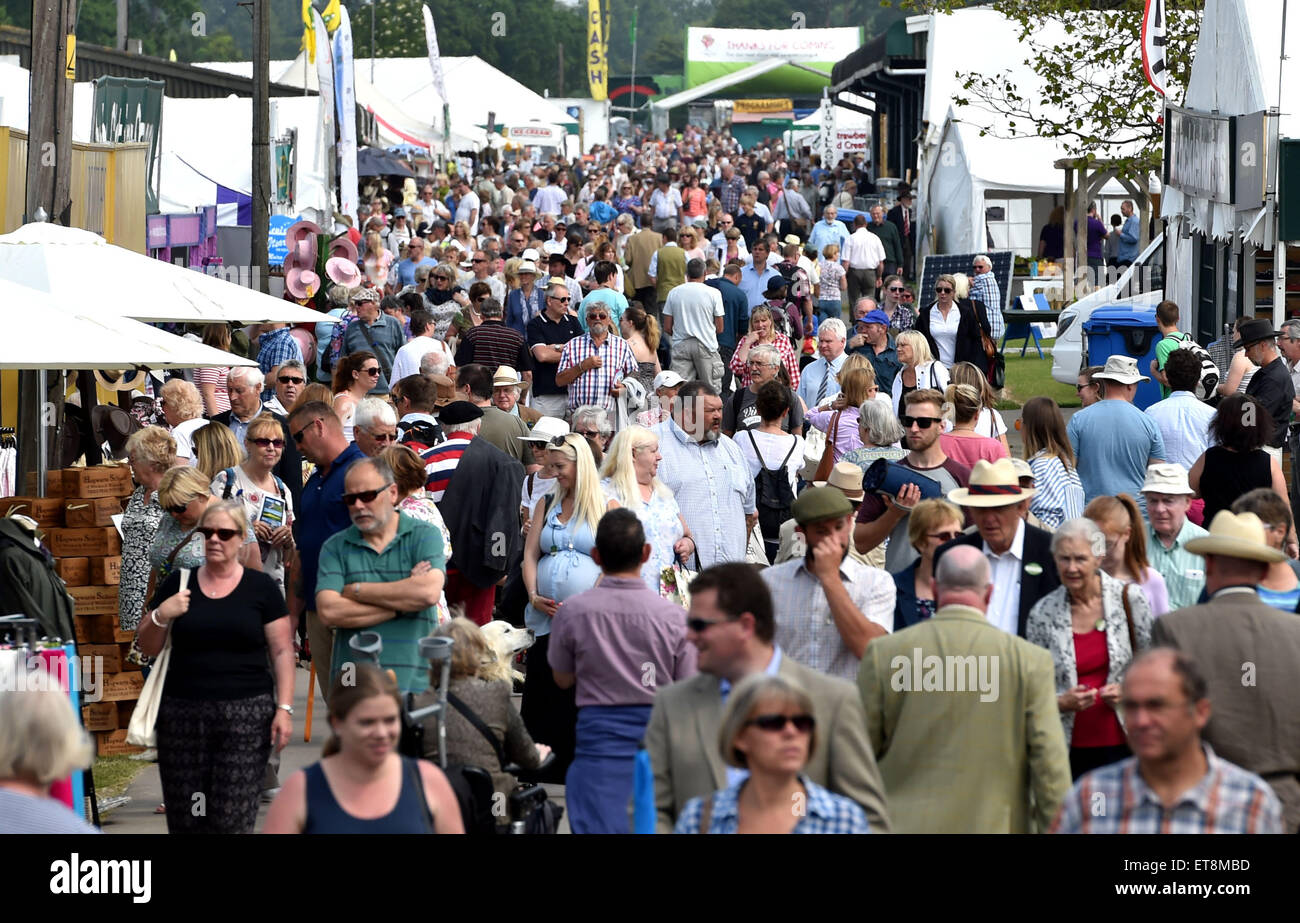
pixel 421 434
pixel 773 495
pixel 1209 381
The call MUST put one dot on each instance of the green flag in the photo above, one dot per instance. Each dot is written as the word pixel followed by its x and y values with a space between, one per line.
pixel 631 32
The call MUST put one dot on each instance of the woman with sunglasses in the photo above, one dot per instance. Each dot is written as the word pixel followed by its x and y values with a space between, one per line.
pixel 557 564
pixel 355 376
pixel 920 371
pixel 688 239
pixel 892 294
pixel 932 523
pixel 222 708
pixel 769 731
pixel 763 332
pixel 627 202
pixel 267 502
pixel 953 326
pixel 185 494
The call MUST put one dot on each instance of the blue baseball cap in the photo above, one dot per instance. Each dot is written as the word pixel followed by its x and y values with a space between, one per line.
pixel 874 317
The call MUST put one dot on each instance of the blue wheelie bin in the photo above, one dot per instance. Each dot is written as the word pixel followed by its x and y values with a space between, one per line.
pixel 1126 330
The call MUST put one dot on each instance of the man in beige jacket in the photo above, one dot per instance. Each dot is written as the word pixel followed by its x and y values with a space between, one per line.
pixel 731 623
pixel 962 716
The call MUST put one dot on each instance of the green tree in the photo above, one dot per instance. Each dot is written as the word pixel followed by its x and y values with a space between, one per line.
pixel 1101 112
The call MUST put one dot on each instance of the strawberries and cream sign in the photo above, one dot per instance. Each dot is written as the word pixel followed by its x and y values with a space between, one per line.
pixel 727 46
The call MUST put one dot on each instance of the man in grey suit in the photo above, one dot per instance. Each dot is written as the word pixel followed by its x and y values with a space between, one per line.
pixel 955 698
pixel 1249 653
pixel 732 625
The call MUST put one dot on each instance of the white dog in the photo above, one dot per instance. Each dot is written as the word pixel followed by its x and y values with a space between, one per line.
pixel 507 641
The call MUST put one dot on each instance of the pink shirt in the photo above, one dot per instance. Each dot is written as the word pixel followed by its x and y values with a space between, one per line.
pixel 970 449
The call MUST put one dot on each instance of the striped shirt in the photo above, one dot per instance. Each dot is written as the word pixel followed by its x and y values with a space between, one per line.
pixel 348 558
pixel 593 386
pixel 1183 571
pixel 784 349
pixel 20 813
pixel 493 344
pixel 824 812
pixel 985 288
pixel 1058 494
pixel 1116 799
pixel 440 464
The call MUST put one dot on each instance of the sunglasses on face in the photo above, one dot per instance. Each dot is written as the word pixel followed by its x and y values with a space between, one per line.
pixel 297 437
pixel 290 380
pixel 179 508
pixel 597 316
pixel 945 536
pixel 263 442
pixel 559 299
pixel 374 371
pixel 897 288
pixel 922 422
pixel 699 626
pixel 365 496
pixel 478 261
pixel 776 723
pixel 224 534
pixel 942 291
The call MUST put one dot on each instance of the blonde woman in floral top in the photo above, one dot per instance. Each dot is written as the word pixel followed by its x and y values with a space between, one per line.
pixel 833 283
pixel 151 452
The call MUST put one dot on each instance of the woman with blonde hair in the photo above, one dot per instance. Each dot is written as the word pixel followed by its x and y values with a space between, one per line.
pixel 763 332
pixel 211 382
pixel 461 239
pixel 362 783
pixel 953 324
pixel 961 409
pixel 185 494
pixel 832 283
pixel 920 371
pixel 215 449
pixel 1121 522
pixel 769 729
pixel 931 524
pixel 228 696
pixel 557 564
pixel 41 742
pixel 630 477
pixel 1058 491
pixel 857 385
pixel 473 681
pixel 641 332
pixel 990 422
pixel 376 260
pixel 183 409
pixel 688 238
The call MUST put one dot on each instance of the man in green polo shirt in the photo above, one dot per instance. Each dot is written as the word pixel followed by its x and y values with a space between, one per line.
pixel 1168 497
pixel 383 573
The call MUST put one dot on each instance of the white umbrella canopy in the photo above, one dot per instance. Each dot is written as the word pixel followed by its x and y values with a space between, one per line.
pixel 39 331
pixel 67 262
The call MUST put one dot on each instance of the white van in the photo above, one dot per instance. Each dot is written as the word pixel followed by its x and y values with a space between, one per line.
pixel 1069 352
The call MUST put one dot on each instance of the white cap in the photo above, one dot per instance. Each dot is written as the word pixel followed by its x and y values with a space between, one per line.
pixel 667 379
pixel 546 429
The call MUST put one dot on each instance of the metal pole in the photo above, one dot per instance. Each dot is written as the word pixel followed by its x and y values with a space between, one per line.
pixel 372 42
pixel 43 454
pixel 261 142
pixel 631 117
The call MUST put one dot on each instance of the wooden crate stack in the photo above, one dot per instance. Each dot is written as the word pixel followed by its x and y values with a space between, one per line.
pixel 76 517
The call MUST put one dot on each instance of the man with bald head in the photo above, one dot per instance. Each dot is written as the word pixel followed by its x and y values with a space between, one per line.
pixel 956 696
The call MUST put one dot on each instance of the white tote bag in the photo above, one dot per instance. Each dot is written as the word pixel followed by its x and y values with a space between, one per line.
pixel 140 732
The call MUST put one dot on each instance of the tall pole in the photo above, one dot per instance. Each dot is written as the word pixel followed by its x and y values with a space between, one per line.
pixel 372 41
pixel 121 25
pixel 560 77
pixel 261 141
pixel 48 195
pixel 631 116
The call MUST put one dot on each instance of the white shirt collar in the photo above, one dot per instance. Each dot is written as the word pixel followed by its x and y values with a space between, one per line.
pixel 1017 549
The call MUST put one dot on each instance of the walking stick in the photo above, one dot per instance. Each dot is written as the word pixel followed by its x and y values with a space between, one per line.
pixel 311 700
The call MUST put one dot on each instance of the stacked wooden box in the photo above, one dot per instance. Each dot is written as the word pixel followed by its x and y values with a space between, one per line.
pixel 76 517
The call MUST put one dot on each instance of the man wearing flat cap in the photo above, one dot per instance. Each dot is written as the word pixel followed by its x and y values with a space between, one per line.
pixel 1113 441
pixel 1271 385
pixel 1249 653
pixel 828 605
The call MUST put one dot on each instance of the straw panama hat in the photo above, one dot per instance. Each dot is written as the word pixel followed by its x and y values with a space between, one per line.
pixel 847 477
pixel 1122 369
pixel 1236 536
pixel 992 484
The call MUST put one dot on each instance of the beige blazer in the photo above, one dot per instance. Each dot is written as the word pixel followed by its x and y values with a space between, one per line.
pixel 952 761
pixel 682 740
pixel 1249 654
pixel 640 247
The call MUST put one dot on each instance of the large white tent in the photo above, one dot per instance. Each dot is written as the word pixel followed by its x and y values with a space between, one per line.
pixel 408 109
pixel 971 153
pixel 64 262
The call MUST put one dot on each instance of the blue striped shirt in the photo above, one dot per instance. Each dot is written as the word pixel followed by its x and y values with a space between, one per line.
pixel 820 812
pixel 1058 493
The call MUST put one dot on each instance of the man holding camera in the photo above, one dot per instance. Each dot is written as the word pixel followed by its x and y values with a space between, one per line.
pixel 882 516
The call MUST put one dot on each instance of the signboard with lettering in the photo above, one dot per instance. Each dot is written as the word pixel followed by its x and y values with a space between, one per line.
pixel 851 141
pixel 1198 152
pixel 277 249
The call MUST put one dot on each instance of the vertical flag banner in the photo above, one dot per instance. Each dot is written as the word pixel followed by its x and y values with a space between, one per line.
pixel 308 32
pixel 1153 46
pixel 597 63
pixel 346 91
pixel 325 77
pixel 332 15
pixel 439 84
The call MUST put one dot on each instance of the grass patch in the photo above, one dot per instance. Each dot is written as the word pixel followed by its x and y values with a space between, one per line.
pixel 1032 377
pixel 113 774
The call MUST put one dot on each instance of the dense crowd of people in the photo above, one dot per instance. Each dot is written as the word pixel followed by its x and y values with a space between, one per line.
pixel 750 495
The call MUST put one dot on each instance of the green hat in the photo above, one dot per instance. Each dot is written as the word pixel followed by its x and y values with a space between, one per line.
pixel 818 503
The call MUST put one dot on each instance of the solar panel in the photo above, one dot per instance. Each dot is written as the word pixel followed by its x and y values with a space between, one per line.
pixel 936 265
